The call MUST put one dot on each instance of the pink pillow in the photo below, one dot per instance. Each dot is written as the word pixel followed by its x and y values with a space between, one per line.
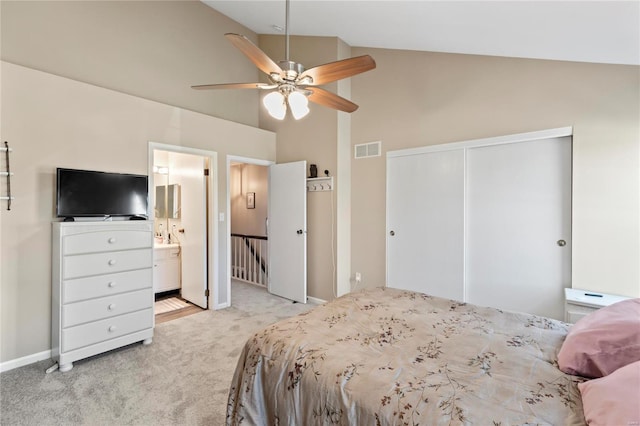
pixel 613 400
pixel 603 341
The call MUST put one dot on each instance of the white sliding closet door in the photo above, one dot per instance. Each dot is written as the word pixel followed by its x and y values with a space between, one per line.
pixel 425 223
pixel 518 239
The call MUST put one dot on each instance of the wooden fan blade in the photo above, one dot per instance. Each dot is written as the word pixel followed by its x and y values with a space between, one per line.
pixel 323 74
pixel 234 86
pixel 251 51
pixel 331 100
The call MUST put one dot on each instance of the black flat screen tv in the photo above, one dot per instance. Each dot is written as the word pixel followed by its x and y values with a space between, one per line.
pixel 87 193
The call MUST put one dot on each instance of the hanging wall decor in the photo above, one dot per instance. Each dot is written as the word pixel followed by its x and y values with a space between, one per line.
pixel 251 200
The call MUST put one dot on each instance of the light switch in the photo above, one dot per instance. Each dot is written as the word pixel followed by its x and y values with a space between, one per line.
pixel 221 217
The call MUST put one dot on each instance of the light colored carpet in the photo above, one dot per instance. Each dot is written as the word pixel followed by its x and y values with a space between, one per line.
pixel 182 378
pixel 170 304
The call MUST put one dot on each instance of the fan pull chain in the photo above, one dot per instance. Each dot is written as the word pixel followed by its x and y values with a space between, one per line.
pixel 6 144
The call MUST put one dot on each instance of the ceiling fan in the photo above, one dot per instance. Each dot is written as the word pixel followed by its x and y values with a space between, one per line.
pixel 292 85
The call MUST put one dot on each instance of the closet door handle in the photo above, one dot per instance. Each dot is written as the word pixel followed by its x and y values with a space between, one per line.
pixel 112 262
pixel 112 284
pixel 112 328
pixel 111 240
pixel 111 307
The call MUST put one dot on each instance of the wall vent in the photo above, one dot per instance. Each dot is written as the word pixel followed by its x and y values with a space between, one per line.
pixel 371 149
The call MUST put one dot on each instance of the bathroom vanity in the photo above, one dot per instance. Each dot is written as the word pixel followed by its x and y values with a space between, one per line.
pixel 166 267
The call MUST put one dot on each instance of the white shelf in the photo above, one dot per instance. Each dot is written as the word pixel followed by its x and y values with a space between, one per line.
pixel 320 184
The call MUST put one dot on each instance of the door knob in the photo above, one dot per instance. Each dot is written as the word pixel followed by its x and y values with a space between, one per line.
pixel 392 233
pixel 562 243
pixel 299 232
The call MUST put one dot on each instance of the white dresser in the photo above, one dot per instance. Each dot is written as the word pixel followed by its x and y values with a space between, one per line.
pixel 579 303
pixel 102 288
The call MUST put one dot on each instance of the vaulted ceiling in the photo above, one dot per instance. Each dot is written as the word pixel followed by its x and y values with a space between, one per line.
pixel 583 31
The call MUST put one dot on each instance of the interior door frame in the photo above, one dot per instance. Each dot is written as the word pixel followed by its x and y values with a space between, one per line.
pixel 244 160
pixel 473 143
pixel 212 209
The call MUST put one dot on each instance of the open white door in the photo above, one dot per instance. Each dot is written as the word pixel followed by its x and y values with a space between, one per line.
pixel 287 230
pixel 189 170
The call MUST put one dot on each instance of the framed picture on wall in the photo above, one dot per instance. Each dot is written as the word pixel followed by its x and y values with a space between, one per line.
pixel 251 200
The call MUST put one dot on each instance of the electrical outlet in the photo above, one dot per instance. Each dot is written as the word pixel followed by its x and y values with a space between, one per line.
pixel 358 277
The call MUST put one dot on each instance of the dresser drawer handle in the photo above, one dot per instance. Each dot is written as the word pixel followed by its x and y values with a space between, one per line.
pixel 112 328
pixel 112 262
pixel 112 240
pixel 112 284
pixel 111 307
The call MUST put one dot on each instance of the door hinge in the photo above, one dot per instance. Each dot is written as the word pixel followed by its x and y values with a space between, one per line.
pixel 206 293
pixel 206 172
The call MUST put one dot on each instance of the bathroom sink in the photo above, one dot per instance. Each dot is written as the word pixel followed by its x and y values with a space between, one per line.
pixel 165 245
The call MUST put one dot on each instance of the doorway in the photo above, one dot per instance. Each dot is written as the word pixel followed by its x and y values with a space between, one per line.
pixel 180 194
pixel 285 227
pixel 247 210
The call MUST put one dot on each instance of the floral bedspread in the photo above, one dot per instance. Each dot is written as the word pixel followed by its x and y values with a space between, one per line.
pixel 392 357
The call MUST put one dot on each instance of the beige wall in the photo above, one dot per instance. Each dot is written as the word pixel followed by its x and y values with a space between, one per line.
pixel 54 122
pixel 152 49
pixel 343 194
pixel 419 98
pixel 245 178
pixel 314 139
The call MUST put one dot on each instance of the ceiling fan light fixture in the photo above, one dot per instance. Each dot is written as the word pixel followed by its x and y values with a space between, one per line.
pixel 299 105
pixel 291 79
pixel 275 104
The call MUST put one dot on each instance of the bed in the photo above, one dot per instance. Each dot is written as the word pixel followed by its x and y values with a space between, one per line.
pixel 392 357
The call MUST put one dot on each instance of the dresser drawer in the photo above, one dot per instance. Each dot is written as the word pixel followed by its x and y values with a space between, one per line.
pixel 105 285
pixel 110 328
pixel 106 263
pixel 107 240
pixel 105 307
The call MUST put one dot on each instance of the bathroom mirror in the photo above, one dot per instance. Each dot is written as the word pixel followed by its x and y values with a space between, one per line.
pixel 167 201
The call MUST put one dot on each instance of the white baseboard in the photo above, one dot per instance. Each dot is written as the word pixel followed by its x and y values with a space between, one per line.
pixel 221 306
pixel 316 301
pixel 25 360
